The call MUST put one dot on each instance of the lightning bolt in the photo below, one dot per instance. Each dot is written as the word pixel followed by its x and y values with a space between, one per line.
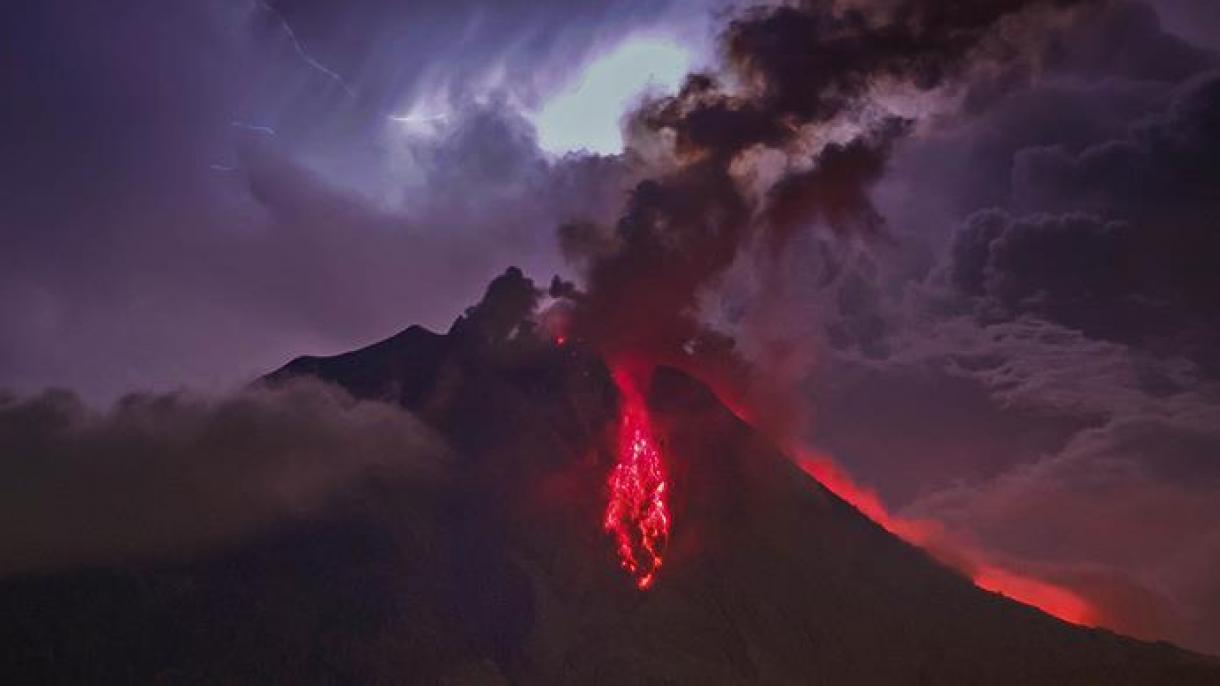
pixel 299 48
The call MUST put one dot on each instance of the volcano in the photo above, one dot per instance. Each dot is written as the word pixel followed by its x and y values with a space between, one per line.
pixel 505 573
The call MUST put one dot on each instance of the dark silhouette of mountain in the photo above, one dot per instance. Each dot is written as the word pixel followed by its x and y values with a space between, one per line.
pixel 503 575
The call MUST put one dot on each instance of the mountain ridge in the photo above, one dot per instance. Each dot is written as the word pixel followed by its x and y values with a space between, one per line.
pixel 503 574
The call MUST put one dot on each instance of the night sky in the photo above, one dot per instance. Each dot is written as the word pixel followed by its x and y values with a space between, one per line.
pixel 985 285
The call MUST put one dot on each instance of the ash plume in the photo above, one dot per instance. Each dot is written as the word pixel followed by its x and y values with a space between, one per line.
pixel 791 134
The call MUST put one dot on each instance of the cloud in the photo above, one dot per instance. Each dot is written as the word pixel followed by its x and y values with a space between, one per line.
pixel 802 97
pixel 1133 501
pixel 1127 39
pixel 176 473
pixel 1084 463
pixel 1060 265
pixel 1167 155
pixel 195 204
pixel 1120 244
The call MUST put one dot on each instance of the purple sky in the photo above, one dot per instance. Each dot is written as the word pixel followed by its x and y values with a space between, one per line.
pixel 192 193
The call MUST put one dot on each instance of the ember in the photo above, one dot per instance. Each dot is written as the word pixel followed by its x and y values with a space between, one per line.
pixel 637 515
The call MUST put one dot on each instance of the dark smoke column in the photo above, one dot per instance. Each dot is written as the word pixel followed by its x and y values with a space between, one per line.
pixel 788 75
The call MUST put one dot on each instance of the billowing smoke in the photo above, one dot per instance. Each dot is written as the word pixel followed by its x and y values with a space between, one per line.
pixel 172 474
pixel 791 135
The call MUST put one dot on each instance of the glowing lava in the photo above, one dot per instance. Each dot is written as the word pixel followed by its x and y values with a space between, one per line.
pixel 637 515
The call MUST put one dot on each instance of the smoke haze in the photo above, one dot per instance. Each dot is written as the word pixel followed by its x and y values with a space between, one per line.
pixel 174 474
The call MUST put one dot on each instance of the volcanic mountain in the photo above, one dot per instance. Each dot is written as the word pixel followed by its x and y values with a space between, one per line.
pixel 504 574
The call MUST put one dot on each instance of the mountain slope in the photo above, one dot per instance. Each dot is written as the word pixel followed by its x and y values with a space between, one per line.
pixel 769 577
pixel 503 575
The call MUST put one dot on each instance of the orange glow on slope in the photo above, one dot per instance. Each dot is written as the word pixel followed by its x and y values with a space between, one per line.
pixel 637 515
pixel 837 481
pixel 928 534
pixel 1053 600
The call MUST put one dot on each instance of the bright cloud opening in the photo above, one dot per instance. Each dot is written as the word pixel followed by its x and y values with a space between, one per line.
pixel 586 114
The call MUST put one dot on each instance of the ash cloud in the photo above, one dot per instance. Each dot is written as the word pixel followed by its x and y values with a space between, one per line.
pixel 159 475
pixel 795 76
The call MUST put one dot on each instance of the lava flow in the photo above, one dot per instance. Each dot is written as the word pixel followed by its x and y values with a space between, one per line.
pixel 1051 599
pixel 1054 600
pixel 637 515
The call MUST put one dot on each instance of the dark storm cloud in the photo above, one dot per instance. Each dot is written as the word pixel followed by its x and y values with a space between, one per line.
pixel 166 474
pixel 1063 264
pixel 192 192
pixel 1059 104
pixel 1126 39
pixel 1168 157
pixel 1093 294
pixel 1124 243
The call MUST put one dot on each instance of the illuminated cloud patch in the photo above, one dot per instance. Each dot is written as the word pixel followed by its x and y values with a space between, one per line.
pixel 585 115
